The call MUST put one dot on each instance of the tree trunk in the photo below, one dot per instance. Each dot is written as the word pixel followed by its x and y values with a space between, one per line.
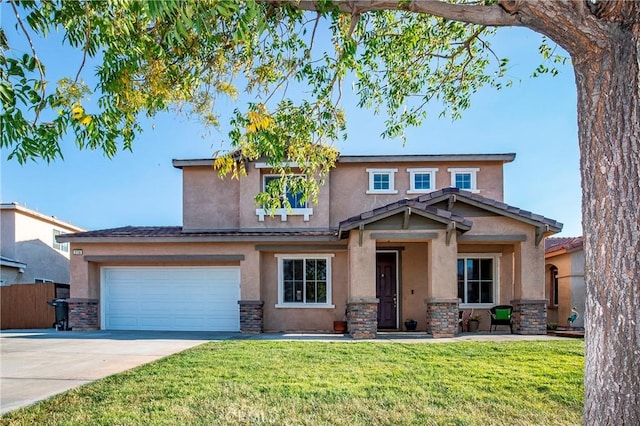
pixel 608 85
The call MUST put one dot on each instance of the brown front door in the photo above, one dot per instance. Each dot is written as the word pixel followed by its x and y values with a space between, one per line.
pixel 387 290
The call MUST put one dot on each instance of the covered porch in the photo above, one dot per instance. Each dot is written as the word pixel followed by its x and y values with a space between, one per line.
pixel 417 260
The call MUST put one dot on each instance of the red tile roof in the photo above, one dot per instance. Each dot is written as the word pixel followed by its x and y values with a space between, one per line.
pixel 568 244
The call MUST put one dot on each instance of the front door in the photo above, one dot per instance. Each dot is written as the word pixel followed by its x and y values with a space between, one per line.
pixel 387 290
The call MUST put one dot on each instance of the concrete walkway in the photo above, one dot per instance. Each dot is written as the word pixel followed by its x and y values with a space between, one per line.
pixel 37 364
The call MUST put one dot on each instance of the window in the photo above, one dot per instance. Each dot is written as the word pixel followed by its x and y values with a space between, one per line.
pixel 464 179
pixel 42 281
pixel 422 180
pixel 298 207
pixel 477 280
pixel 59 246
pixel 382 181
pixel 304 281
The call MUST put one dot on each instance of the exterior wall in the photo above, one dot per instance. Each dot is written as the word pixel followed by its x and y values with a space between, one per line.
pixel 571 291
pixel 350 181
pixel 27 237
pixel 303 319
pixel 209 202
pixel 213 203
pixel 414 282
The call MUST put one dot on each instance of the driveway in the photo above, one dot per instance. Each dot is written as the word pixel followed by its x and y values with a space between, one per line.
pixel 37 364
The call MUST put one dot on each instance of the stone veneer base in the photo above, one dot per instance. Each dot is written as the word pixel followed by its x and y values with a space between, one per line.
pixel 362 318
pixel 251 316
pixel 530 316
pixel 84 314
pixel 442 317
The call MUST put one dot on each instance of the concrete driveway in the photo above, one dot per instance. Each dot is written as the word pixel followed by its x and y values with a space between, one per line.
pixel 36 364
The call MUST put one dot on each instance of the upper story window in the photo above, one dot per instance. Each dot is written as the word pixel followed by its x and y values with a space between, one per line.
pixel 298 207
pixel 59 246
pixel 382 181
pixel 478 280
pixel 421 180
pixel 304 281
pixel 465 179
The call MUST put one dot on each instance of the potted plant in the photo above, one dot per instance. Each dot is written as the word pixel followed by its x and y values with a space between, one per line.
pixel 410 324
pixel 474 323
pixel 340 326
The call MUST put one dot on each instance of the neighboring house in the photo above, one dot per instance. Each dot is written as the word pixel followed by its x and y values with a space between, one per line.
pixel 29 252
pixel 391 238
pixel 564 258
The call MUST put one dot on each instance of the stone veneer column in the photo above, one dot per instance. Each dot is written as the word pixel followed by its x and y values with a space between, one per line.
pixel 530 316
pixel 83 314
pixel 251 316
pixel 362 318
pixel 442 317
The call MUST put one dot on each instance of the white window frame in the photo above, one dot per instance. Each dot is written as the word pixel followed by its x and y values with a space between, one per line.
pixel 474 178
pixel 305 212
pixel 63 247
pixel 392 181
pixel 496 279
pixel 421 171
pixel 307 256
pixel 43 281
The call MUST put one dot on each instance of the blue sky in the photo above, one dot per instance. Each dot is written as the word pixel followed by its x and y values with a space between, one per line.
pixel 536 119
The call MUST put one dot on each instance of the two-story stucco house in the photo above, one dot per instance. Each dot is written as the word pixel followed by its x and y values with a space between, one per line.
pixel 29 251
pixel 391 238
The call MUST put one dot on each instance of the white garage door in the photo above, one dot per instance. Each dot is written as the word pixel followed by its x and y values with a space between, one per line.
pixel 171 298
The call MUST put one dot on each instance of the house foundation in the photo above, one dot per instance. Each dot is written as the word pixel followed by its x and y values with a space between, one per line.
pixel 442 317
pixel 84 314
pixel 362 318
pixel 530 316
pixel 251 316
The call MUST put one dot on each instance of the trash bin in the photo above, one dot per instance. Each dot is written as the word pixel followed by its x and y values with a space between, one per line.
pixel 62 313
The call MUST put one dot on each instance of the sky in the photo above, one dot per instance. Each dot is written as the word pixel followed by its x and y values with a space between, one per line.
pixel 535 119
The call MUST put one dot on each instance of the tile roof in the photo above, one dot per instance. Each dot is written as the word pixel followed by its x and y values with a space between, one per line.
pixel 177 232
pixel 400 206
pixel 568 243
pixel 484 202
pixel 425 203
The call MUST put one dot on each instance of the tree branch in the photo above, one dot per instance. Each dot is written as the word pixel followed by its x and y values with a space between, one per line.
pixel 42 102
pixel 493 15
pixel 86 43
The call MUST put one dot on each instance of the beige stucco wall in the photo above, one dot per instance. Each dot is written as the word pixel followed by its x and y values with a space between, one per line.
pixel 209 202
pixel 414 282
pixel 303 319
pixel 571 287
pixel 362 266
pixel 27 237
pixel 350 182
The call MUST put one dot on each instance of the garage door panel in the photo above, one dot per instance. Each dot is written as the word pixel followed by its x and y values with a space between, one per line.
pixel 171 298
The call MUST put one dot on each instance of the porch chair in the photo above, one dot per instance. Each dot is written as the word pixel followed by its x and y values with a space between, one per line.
pixel 501 315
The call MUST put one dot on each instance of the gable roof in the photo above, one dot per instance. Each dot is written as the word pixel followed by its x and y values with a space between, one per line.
pixel 424 205
pixel 567 244
pixel 413 206
pixel 454 195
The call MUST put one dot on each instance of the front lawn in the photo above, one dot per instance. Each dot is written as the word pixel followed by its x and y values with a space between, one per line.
pixel 338 383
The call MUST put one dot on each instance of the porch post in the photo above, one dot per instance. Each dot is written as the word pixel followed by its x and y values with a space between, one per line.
pixel 529 303
pixel 362 304
pixel 251 305
pixel 442 305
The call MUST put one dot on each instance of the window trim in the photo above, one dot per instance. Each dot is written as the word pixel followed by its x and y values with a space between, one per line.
pixel 422 170
pixel 496 279
pixel 474 177
pixel 392 181
pixel 305 212
pixel 280 257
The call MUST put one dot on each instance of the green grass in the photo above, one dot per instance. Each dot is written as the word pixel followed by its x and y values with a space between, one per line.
pixel 339 383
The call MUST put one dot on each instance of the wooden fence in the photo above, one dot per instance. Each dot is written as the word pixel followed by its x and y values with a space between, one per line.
pixel 25 306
